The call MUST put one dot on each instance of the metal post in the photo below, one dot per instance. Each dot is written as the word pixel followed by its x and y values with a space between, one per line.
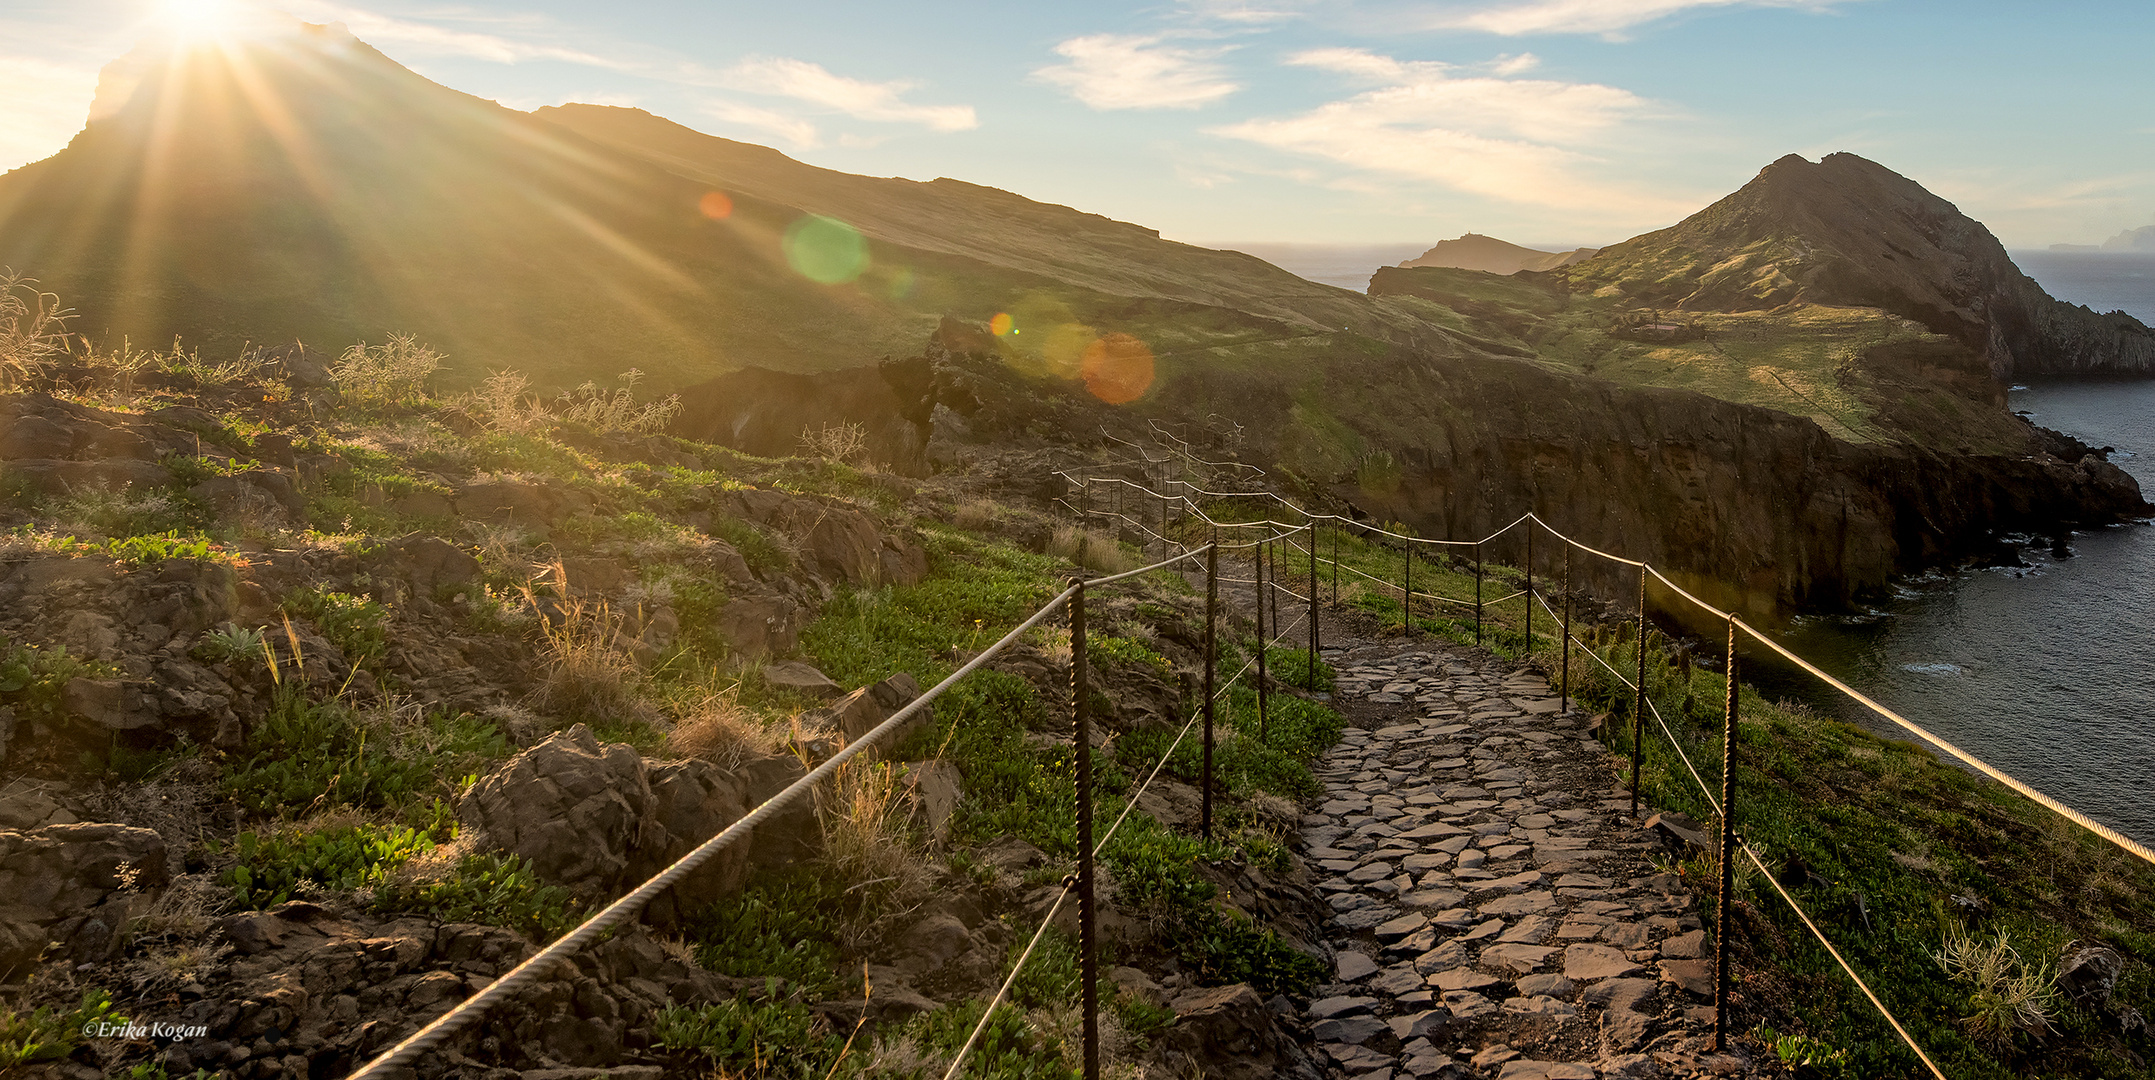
pixel 1563 698
pixel 1477 592
pixel 1530 588
pixel 1271 595
pixel 1312 687
pixel 1638 700
pixel 1335 568
pixel 1087 961
pixel 1728 847
pixel 1262 690
pixel 1212 659
pixel 1406 591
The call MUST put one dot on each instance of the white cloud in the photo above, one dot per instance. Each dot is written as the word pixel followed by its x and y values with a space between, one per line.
pixel 878 101
pixel 1583 16
pixel 1513 65
pixel 794 130
pixel 1115 71
pixel 435 40
pixel 801 80
pixel 47 104
pixel 1520 140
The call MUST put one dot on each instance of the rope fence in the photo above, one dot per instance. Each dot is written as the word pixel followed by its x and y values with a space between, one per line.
pixel 1185 499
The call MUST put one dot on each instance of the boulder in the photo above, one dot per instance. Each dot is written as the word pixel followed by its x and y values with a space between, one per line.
pixel 2089 973
pixel 932 791
pixel 72 884
pixel 35 437
pixel 1230 1031
pixel 863 710
pixel 801 678
pixel 692 801
pixel 427 562
pixel 760 625
pixel 571 806
pixel 110 704
pixel 836 542
pixel 251 490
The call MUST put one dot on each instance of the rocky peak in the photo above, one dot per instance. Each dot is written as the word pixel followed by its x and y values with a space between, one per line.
pixel 1847 231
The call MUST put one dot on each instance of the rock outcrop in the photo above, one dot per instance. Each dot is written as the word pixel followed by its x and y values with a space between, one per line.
pixel 598 819
pixel 1848 231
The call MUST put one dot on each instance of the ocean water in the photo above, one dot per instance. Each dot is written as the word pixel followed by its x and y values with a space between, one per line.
pixel 1348 266
pixel 2046 671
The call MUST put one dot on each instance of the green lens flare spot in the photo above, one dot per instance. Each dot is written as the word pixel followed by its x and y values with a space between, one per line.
pixel 826 250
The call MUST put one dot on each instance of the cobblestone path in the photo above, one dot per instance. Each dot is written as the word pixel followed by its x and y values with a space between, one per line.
pixel 1497 910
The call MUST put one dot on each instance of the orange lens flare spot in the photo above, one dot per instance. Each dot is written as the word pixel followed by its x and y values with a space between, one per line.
pixel 1000 324
pixel 1117 369
pixel 716 205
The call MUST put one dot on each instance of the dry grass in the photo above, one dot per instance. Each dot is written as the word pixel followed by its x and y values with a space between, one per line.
pixel 1089 548
pixel 503 404
pixel 33 329
pixel 837 442
pixel 590 670
pixel 619 410
pixel 394 373
pixel 974 516
pixel 2005 996
pixel 719 730
pixel 867 842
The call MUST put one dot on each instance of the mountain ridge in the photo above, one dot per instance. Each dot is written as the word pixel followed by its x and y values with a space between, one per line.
pixel 1848 231
pixel 1474 251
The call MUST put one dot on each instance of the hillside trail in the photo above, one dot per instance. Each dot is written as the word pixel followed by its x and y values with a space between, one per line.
pixel 1496 910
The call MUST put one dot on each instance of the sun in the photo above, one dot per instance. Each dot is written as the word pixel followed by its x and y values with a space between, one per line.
pixel 198 18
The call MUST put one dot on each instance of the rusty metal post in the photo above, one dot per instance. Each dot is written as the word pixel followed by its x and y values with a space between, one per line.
pixel 1406 590
pixel 1477 592
pixel 1088 960
pixel 1212 661
pixel 1262 691
pixel 1638 701
pixel 1312 687
pixel 1728 847
pixel 1563 694
pixel 1335 567
pixel 1530 588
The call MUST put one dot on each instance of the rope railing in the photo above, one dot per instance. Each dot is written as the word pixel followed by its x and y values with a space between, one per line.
pixel 618 912
pixel 1070 882
pixel 1531 521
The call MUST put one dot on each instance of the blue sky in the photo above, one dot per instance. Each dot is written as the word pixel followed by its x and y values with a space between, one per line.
pixel 1550 122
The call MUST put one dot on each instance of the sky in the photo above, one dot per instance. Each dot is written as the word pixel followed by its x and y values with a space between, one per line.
pixel 1554 123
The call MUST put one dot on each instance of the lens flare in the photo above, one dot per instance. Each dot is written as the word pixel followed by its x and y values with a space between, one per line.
pixel 716 205
pixel 826 250
pixel 1000 324
pixel 1118 369
pixel 901 283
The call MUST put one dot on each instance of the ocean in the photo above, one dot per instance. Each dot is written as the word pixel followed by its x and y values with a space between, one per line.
pixel 1348 266
pixel 2045 671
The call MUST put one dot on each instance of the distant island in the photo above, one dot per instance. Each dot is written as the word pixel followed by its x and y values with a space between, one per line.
pixel 1487 253
pixel 2140 239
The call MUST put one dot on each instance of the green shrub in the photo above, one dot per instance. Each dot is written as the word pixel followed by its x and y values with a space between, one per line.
pixel 498 890
pixel 306 753
pixel 1223 947
pixel 49 1034
pixel 359 626
pixel 773 929
pixel 228 643
pixel 271 866
pixel 769 1037
pixel 32 679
